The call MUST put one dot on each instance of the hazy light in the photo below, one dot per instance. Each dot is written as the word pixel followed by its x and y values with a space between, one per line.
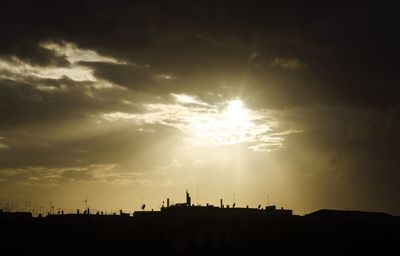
pixel 165 77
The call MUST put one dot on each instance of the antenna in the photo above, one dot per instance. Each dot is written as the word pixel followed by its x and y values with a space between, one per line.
pixel 51 211
pixel 141 203
pixel 233 199
pixel 86 205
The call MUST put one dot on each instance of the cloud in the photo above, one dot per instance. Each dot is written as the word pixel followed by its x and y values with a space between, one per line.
pixel 32 94
pixel 25 103
pixel 187 99
pixel 77 175
pixel 74 54
pixel 46 176
pixel 3 144
pixel 108 174
pixel 204 58
pixel 206 125
pixel 17 69
pixel 126 75
pixel 291 64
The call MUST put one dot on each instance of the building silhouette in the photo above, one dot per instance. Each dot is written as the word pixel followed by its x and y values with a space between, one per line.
pixel 187 229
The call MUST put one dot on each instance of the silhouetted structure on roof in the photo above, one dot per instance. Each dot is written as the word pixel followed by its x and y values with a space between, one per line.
pixel 186 210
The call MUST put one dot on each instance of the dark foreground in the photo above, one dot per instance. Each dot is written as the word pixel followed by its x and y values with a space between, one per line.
pixel 320 233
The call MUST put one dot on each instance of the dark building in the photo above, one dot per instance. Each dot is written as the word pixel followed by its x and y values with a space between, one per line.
pixel 184 229
pixel 325 214
pixel 186 210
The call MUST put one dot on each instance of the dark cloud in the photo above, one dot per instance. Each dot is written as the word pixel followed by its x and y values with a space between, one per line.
pixel 34 55
pixel 341 44
pixel 128 76
pixel 23 104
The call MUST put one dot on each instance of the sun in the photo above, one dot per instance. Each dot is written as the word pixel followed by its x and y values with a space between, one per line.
pixel 235 112
pixel 231 125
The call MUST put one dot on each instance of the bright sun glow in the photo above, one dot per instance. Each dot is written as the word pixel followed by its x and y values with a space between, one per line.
pixel 235 112
pixel 209 125
pixel 232 125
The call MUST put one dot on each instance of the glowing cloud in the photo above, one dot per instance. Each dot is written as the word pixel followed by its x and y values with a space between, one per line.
pixel 19 70
pixel 75 54
pixel 207 125
pixel 187 99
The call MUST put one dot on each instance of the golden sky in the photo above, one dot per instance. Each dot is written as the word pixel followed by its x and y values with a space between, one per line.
pixel 135 103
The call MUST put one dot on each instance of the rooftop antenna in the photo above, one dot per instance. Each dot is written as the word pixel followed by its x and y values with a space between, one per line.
pixel 51 211
pixel 142 204
pixel 86 203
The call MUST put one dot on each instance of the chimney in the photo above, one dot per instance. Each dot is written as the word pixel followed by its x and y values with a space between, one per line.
pixel 222 204
pixel 167 202
pixel 188 201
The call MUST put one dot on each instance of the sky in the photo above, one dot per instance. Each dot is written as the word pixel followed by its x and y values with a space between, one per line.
pixel 255 102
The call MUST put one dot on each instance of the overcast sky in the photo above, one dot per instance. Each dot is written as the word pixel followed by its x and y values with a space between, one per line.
pixel 261 103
